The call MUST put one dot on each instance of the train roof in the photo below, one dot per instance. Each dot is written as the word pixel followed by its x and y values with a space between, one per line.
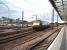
pixel 41 21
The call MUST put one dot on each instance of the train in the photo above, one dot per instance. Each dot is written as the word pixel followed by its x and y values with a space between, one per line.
pixel 40 25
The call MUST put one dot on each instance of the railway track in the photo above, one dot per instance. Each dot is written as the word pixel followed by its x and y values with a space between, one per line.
pixel 12 35
pixel 12 27
pixel 43 45
pixel 18 39
pixel 12 40
pixel 32 40
pixel 14 31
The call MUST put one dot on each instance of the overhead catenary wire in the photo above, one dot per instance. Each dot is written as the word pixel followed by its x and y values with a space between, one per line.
pixel 28 7
pixel 31 4
pixel 30 11
pixel 1 2
pixel 15 10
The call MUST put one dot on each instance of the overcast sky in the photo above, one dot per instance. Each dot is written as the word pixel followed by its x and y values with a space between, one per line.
pixel 14 8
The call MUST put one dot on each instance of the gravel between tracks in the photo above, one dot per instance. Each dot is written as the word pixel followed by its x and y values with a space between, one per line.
pixel 43 45
pixel 26 42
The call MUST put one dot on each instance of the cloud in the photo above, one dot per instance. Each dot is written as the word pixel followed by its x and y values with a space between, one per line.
pixel 30 8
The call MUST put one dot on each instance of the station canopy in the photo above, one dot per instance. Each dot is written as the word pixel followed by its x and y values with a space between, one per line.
pixel 61 7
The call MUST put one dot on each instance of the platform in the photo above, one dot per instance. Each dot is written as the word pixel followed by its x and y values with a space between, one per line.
pixel 60 42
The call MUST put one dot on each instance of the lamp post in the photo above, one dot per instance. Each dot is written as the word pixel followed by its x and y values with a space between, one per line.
pixel 22 18
pixel 52 18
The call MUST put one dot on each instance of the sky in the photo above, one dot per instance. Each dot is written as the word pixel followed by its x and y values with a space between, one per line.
pixel 14 8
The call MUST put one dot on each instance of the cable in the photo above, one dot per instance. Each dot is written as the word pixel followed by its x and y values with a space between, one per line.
pixel 5 6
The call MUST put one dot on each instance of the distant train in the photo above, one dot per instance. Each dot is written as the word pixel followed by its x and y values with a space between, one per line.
pixel 39 25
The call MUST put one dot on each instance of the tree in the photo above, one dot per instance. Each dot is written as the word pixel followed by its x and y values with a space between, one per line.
pixel 3 17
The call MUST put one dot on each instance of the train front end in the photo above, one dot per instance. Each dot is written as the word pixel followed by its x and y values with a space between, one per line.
pixel 36 25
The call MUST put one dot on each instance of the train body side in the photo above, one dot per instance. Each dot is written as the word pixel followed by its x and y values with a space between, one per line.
pixel 39 25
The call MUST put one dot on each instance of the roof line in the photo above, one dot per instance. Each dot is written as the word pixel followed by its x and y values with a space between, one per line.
pixel 53 4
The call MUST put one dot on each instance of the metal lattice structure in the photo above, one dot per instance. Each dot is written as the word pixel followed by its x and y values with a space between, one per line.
pixel 61 7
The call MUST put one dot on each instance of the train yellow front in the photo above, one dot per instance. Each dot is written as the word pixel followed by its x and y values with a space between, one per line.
pixel 39 25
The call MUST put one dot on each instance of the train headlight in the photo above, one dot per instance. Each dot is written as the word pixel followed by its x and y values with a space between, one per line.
pixel 36 24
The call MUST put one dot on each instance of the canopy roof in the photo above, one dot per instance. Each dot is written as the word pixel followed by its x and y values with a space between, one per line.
pixel 61 8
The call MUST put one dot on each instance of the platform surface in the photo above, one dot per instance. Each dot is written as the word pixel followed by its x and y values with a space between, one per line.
pixel 60 42
pixel 64 39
